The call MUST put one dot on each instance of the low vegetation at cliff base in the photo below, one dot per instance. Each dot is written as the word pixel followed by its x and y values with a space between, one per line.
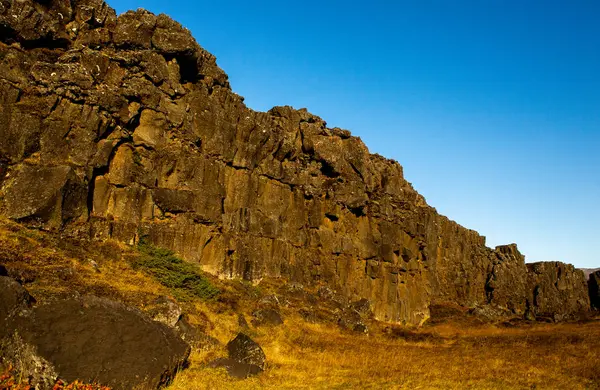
pixel 183 278
pixel 447 356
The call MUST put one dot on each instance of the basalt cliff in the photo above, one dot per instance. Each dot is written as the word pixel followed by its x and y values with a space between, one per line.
pixel 125 128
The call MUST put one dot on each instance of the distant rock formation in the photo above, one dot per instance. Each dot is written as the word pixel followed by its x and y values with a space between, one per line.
pixel 125 127
pixel 588 271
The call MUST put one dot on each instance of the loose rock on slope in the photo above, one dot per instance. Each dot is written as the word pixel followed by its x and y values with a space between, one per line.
pixel 92 340
pixel 246 357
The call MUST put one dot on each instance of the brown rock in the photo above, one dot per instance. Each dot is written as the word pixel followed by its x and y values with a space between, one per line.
pixel 243 349
pixel 165 310
pixel 94 340
pixel 594 289
pixel 41 192
pixel 13 297
pixel 559 290
pixel 130 121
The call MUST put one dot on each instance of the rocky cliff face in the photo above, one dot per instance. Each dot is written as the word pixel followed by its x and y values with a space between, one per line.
pixel 125 127
pixel 594 289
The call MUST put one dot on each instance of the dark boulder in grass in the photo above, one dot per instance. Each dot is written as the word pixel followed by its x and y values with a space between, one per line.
pixel 246 358
pixel 245 350
pixel 94 340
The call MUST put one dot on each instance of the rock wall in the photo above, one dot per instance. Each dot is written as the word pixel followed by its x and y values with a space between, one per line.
pixel 594 289
pixel 558 290
pixel 125 127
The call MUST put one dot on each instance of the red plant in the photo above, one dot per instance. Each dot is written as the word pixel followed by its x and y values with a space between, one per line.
pixel 9 382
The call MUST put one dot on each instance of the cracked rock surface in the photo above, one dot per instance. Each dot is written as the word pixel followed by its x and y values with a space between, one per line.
pixel 124 126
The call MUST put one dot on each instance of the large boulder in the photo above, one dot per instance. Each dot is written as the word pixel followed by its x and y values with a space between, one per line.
pixel 93 340
pixel 245 350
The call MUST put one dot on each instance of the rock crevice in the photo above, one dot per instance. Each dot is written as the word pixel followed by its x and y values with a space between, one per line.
pixel 125 127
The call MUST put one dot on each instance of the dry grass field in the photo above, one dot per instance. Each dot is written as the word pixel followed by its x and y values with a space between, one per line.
pixel 453 352
pixel 307 356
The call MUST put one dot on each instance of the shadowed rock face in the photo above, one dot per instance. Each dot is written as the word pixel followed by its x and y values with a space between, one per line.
pixel 558 290
pixel 124 126
pixel 594 289
pixel 13 298
pixel 94 340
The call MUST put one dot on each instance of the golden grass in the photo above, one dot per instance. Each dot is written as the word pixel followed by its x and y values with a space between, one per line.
pixel 308 356
pixel 51 266
pixel 455 354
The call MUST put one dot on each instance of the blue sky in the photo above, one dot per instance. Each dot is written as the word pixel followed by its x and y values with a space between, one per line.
pixel 491 106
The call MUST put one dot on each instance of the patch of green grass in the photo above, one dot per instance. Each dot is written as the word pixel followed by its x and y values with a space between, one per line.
pixel 185 279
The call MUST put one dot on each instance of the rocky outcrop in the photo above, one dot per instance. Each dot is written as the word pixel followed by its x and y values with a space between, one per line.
pixel 507 287
pixel 594 289
pixel 559 290
pixel 588 271
pixel 92 340
pixel 125 127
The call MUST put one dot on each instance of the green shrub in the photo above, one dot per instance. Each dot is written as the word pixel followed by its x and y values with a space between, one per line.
pixel 183 278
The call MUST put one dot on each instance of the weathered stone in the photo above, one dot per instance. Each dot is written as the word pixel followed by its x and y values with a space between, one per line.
pixel 129 121
pixel 594 289
pixel 588 271
pixel 134 29
pixel 506 286
pixel 171 38
pixel 13 298
pixel 151 131
pixel 95 340
pixel 41 192
pixel 166 311
pixel 245 350
pixel 559 290
pixel 270 301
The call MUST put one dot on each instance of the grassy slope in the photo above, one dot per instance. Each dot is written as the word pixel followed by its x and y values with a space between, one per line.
pixel 450 354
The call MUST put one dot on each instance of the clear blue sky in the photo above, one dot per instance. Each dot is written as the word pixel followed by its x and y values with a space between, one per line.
pixel 491 106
